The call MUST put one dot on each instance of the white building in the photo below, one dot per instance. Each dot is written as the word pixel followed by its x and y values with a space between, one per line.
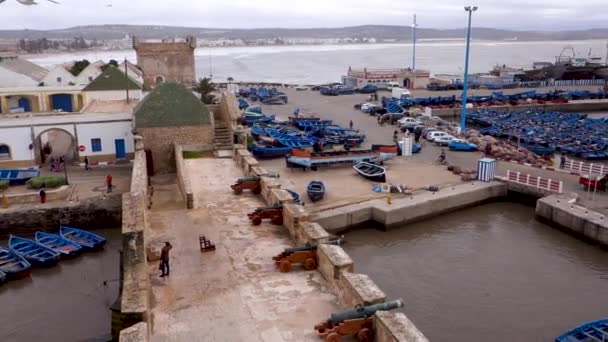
pixel 16 72
pixel 133 71
pixel 88 74
pixel 100 137
pixel 59 76
pixel 112 85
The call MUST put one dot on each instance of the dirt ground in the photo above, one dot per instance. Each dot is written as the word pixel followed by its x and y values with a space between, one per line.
pixel 344 185
pixel 234 293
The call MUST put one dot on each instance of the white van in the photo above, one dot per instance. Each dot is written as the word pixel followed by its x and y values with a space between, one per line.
pixel 391 85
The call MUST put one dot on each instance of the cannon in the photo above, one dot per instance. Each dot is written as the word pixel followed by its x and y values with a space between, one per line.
pixel 273 212
pixel 247 183
pixel 355 322
pixel 306 255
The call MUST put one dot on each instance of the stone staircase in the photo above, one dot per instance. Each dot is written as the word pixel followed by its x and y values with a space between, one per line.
pixel 223 141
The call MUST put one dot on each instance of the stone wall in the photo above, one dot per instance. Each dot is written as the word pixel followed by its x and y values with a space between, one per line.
pixel 58 194
pixel 134 305
pixel 93 213
pixel 173 61
pixel 135 282
pixel 161 140
pixel 334 263
pixel 183 181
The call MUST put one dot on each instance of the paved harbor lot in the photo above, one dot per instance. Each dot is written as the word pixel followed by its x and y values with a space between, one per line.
pixel 341 110
pixel 234 293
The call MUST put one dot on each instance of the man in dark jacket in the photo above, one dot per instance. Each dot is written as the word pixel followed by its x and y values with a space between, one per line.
pixel 164 259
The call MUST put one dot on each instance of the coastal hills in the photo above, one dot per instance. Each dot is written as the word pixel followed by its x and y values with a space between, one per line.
pixel 379 32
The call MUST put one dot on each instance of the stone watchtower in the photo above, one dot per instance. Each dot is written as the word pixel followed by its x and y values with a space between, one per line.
pixel 166 60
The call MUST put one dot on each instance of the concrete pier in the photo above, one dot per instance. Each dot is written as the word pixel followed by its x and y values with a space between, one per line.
pixel 418 207
pixel 563 211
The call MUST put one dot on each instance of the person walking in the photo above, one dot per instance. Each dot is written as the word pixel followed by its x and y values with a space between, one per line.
pixel 562 161
pixel 42 194
pixel 86 163
pixel 109 182
pixel 164 259
pixel 351 124
pixel 395 136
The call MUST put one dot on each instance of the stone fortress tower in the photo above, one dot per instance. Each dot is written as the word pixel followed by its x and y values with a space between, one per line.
pixel 166 60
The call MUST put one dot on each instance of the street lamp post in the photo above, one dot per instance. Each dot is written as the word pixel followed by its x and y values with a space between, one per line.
pixel 465 87
pixel 414 25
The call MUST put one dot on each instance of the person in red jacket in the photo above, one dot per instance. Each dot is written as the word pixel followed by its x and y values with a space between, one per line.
pixel 109 182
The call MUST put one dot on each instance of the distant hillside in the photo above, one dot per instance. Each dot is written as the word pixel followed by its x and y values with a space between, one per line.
pixel 104 32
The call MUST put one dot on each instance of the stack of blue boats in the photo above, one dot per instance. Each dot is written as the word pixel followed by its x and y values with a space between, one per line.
pixel 265 95
pixel 546 133
pixel 398 105
pixel 45 250
pixel 278 139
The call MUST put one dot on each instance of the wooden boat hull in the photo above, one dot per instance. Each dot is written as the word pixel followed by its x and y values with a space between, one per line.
pixel 269 151
pixel 86 239
pixel 13 265
pixel 307 159
pixel 315 191
pixel 63 246
pixel 19 176
pixel 372 172
pixel 35 253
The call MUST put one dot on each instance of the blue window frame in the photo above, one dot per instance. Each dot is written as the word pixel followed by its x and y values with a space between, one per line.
pixel 96 144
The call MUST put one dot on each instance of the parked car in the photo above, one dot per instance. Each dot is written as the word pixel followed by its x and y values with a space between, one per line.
pixel 368 107
pixel 301 87
pixel 328 91
pixel 393 117
pixel 316 88
pixel 428 130
pixel 344 90
pixel 462 145
pixel 368 89
pixel 434 135
pixel 408 122
pixel 443 140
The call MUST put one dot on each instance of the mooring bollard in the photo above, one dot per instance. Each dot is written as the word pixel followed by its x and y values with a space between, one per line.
pixel 389 199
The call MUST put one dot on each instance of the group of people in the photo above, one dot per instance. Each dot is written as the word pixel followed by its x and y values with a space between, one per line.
pixel 57 164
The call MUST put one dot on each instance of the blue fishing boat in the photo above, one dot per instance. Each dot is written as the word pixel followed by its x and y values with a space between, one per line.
pixel 2 277
pixel 59 244
pixel 267 151
pixel 19 175
pixel 592 331
pixel 315 190
pixel 84 238
pixel 32 251
pixel 13 264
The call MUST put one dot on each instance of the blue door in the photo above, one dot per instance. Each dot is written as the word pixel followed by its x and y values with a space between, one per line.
pixel 25 104
pixel 120 148
pixel 62 102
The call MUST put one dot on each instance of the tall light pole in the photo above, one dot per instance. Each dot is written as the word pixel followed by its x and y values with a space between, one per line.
pixel 414 25
pixel 465 87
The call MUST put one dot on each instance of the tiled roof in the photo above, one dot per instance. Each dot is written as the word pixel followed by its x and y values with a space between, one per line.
pixel 111 79
pixel 23 67
pixel 171 104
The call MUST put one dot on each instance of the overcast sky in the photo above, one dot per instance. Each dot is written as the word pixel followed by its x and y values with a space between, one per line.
pixel 511 14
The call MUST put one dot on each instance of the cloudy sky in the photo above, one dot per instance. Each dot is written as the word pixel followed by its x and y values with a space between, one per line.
pixel 511 14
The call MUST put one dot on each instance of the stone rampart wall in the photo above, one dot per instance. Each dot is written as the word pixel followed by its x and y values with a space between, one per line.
pixel 333 262
pixel 92 213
